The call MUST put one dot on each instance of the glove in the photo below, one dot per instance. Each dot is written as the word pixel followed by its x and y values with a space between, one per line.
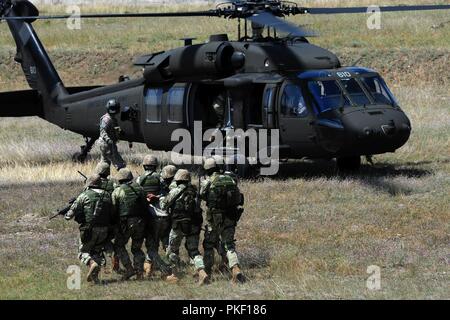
pixel 151 198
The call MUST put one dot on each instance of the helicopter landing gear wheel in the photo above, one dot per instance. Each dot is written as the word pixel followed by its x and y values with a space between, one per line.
pixel 82 156
pixel 349 163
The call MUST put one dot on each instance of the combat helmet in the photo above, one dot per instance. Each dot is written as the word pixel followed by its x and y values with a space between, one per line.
pixel 210 163
pixel 150 161
pixel 168 172
pixel 124 175
pixel 94 181
pixel 182 175
pixel 113 106
pixel 103 169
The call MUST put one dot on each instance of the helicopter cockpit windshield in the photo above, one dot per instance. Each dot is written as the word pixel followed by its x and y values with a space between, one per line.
pixel 355 90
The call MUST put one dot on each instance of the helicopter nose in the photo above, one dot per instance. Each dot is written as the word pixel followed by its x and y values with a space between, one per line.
pixel 376 131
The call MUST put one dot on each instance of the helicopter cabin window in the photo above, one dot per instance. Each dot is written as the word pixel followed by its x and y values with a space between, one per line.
pixel 355 91
pixel 175 103
pixel 378 90
pixel 153 102
pixel 327 95
pixel 292 102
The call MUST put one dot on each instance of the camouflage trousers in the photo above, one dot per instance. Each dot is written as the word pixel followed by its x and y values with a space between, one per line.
pixel 111 155
pixel 219 235
pixel 134 229
pixel 181 230
pixel 158 229
pixel 92 245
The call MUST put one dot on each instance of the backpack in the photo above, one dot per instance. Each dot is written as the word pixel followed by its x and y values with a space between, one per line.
pixel 223 193
pixel 151 183
pixel 99 213
pixel 102 210
pixel 186 202
pixel 133 204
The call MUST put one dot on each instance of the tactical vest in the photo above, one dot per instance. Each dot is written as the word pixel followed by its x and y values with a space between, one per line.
pixel 132 203
pixel 184 205
pixel 150 182
pixel 97 211
pixel 223 193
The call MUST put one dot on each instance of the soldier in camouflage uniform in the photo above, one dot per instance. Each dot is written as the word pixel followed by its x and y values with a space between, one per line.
pixel 109 135
pixel 223 201
pixel 219 104
pixel 130 206
pixel 180 202
pixel 104 171
pixel 150 181
pixel 93 211
pixel 165 224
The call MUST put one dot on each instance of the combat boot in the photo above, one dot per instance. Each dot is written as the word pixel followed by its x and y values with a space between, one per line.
pixel 237 276
pixel 92 275
pixel 129 272
pixel 148 269
pixel 172 278
pixel 203 277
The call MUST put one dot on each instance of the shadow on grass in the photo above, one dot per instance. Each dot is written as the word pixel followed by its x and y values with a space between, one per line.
pixel 378 176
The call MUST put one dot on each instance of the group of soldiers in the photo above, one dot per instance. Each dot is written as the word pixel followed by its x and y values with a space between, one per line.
pixel 158 209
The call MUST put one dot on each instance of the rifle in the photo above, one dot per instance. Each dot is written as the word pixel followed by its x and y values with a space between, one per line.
pixel 83 175
pixel 66 209
pixel 63 211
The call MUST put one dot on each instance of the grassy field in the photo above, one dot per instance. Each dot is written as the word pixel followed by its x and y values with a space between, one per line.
pixel 308 233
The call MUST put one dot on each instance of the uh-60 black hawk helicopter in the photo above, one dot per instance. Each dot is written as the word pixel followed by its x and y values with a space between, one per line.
pixel 323 110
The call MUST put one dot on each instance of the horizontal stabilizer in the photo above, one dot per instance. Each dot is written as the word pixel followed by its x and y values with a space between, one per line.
pixel 24 103
pixel 28 103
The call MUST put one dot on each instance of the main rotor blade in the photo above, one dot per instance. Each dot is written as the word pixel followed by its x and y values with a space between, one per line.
pixel 382 9
pixel 269 20
pixel 210 13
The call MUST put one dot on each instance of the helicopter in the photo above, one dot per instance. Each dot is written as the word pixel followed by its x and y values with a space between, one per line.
pixel 271 77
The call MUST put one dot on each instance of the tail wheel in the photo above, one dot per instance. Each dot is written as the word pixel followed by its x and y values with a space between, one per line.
pixel 79 157
pixel 349 163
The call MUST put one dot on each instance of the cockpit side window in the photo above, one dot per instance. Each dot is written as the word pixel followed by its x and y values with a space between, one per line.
pixel 292 102
pixel 377 89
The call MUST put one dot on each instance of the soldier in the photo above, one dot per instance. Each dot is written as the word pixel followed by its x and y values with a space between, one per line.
pixel 93 211
pixel 164 223
pixel 223 201
pixel 109 135
pixel 150 181
pixel 219 104
pixel 130 206
pixel 104 171
pixel 180 202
